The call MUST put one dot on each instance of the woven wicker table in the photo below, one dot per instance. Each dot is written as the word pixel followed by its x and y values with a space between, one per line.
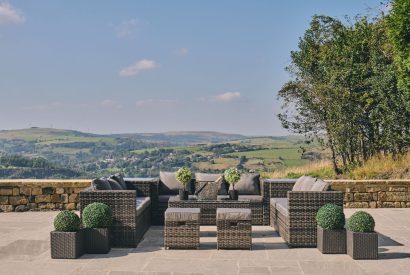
pixel 208 208
pixel 234 228
pixel 181 228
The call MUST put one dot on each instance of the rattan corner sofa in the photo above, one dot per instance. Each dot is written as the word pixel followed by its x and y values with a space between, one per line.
pixel 293 208
pixel 130 202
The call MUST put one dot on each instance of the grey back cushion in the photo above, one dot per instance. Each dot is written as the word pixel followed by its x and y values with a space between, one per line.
pixel 206 177
pixel 114 184
pixel 304 183
pixel 168 184
pixel 320 185
pixel 101 184
pixel 120 179
pixel 249 184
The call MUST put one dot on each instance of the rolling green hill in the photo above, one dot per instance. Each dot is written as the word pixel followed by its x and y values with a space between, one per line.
pixel 145 154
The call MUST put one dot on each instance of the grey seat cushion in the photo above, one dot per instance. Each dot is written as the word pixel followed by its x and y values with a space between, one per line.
pixel 282 206
pixel 182 214
pixel 168 184
pixel 218 178
pixel 274 201
pixel 252 198
pixel 164 198
pixel 120 179
pixel 114 184
pixel 142 204
pixel 249 184
pixel 233 214
pixel 320 185
pixel 304 183
pixel 101 184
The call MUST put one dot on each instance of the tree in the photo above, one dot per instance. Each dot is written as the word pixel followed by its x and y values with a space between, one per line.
pixel 344 91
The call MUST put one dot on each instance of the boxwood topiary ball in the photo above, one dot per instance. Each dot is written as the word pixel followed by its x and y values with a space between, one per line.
pixel 97 215
pixel 330 216
pixel 67 221
pixel 361 221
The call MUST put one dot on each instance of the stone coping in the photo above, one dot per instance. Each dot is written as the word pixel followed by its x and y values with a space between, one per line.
pixel 45 183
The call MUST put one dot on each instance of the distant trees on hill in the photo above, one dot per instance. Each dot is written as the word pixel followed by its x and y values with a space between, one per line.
pixel 350 88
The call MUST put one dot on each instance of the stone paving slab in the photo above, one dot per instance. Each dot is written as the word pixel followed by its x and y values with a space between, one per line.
pixel 25 249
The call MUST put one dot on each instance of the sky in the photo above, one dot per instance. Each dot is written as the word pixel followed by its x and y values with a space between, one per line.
pixel 152 66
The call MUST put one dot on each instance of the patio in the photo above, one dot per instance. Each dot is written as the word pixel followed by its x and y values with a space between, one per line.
pixel 25 249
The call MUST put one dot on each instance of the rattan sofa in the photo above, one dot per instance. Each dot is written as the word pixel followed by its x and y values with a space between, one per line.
pixel 131 209
pixel 292 213
pixel 259 202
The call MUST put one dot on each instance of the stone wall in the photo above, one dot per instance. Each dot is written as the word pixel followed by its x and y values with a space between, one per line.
pixel 23 195
pixel 374 193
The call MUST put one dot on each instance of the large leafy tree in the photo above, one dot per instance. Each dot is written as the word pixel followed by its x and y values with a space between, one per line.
pixel 344 91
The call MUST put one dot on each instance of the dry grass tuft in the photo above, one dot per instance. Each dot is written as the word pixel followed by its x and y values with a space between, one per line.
pixel 381 167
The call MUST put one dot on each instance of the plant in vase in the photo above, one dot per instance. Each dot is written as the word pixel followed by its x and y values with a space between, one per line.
pixel 232 176
pixel 362 241
pixel 331 234
pixel 184 176
pixel 97 218
pixel 67 239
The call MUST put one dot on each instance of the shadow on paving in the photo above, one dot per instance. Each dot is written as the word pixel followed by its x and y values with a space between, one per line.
pixel 387 241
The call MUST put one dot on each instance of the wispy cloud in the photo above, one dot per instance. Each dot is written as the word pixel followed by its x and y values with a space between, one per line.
pixel 182 51
pixel 142 65
pixel 110 103
pixel 226 97
pixel 157 102
pixel 127 27
pixel 10 15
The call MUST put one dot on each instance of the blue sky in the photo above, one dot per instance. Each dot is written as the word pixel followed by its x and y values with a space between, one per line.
pixel 151 66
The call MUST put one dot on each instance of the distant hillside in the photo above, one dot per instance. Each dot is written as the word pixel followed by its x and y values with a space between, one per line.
pixel 177 138
pixel 185 137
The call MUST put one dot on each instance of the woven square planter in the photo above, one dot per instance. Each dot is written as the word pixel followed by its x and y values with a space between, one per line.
pixel 66 245
pixel 331 241
pixel 362 245
pixel 97 240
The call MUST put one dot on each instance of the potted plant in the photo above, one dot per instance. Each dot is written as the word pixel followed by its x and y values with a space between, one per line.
pixel 67 239
pixel 97 218
pixel 362 241
pixel 184 176
pixel 232 176
pixel 331 235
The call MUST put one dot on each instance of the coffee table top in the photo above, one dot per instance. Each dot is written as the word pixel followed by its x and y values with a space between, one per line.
pixel 221 199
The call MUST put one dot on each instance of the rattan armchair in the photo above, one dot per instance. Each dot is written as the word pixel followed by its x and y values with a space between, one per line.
pixel 293 213
pixel 131 218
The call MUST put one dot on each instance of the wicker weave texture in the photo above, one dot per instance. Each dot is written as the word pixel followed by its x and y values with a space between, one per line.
pixel 299 228
pixel 207 190
pixel 234 234
pixel 331 241
pixel 208 208
pixel 96 240
pixel 123 207
pixel 66 245
pixel 181 234
pixel 362 245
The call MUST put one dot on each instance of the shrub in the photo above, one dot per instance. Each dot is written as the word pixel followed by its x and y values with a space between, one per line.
pixel 67 221
pixel 97 215
pixel 184 175
pixel 330 216
pixel 232 175
pixel 361 222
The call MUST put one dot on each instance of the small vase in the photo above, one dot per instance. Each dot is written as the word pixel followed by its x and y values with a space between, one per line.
pixel 183 195
pixel 233 195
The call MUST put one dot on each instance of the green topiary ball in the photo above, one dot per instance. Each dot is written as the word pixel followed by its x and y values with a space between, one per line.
pixel 330 216
pixel 361 222
pixel 67 221
pixel 97 215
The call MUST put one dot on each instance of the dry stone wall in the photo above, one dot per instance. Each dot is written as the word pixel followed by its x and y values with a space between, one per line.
pixel 24 195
